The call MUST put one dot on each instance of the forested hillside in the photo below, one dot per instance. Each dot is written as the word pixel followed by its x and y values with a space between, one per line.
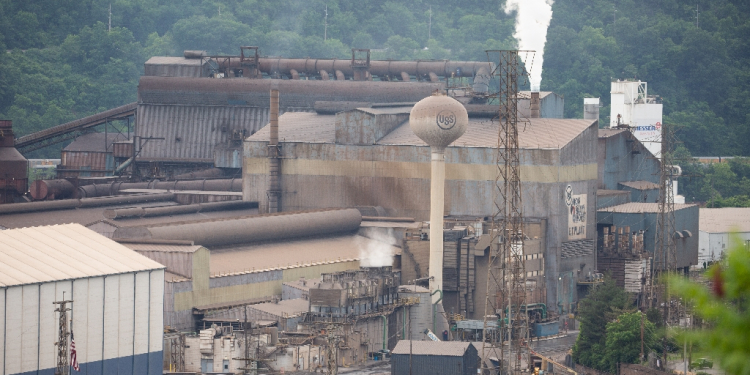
pixel 63 62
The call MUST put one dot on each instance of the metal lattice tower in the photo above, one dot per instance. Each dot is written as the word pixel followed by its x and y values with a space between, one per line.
pixel 63 366
pixel 506 276
pixel 332 367
pixel 666 251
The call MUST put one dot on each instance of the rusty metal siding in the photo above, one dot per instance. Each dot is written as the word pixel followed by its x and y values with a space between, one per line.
pixel 85 164
pixel 192 132
pixel 122 149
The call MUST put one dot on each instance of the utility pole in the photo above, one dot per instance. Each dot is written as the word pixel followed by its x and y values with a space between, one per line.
pixel 253 368
pixel 332 351
pixel 697 12
pixel 325 29
pixel 110 18
pixel 63 367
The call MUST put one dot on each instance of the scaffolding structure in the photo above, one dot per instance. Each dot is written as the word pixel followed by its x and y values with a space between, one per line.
pixel 506 276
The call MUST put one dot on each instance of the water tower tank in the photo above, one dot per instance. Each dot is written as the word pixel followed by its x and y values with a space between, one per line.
pixel 438 120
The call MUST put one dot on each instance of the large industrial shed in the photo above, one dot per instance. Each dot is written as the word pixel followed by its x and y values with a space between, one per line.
pixel 717 226
pixel 370 157
pixel 434 358
pixel 116 313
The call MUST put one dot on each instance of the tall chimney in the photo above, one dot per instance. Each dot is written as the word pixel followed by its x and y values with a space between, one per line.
pixel 534 105
pixel 274 162
pixel 438 120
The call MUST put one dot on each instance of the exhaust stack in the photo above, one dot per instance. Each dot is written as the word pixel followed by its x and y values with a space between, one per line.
pixel 274 161
pixel 534 105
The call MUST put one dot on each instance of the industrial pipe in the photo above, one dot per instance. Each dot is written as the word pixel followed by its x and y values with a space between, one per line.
pixel 405 77
pixel 251 229
pixel 124 165
pixel 534 105
pixel 314 67
pixel 63 204
pixel 324 75
pixel 51 189
pixel 99 190
pixel 385 330
pixel 203 173
pixel 482 80
pixel 124 213
pixel 340 76
pixel 434 307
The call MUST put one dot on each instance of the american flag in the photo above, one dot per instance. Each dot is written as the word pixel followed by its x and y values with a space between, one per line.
pixel 73 359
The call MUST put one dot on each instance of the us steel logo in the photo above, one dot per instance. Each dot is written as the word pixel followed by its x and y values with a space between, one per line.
pixel 446 120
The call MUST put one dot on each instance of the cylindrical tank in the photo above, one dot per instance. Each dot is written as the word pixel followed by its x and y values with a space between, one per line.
pixel 591 108
pixel 418 316
pixel 438 120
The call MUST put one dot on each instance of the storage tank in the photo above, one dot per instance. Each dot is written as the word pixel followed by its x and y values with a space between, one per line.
pixel 418 316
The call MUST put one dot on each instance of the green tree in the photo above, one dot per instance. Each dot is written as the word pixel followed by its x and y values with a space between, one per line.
pixel 602 305
pixel 725 307
pixel 623 342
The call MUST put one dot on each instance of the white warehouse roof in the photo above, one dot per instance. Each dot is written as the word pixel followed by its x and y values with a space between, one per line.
pixel 63 252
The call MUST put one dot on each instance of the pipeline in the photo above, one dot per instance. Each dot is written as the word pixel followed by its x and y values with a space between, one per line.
pixel 204 173
pixel 380 68
pixel 65 204
pixel 51 189
pixel 114 188
pixel 385 330
pixel 434 306
pixel 134 212
pixel 123 165
pixel 251 229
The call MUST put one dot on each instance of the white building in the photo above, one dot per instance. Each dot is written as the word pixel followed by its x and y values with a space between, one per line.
pixel 632 106
pixel 117 309
pixel 716 227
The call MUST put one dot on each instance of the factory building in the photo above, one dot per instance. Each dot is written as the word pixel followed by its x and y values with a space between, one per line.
pixel 431 357
pixel 370 157
pixel 717 226
pixel 114 302
pixel 91 155
pixel 636 217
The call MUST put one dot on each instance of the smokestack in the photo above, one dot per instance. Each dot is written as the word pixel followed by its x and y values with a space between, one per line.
pixel 534 106
pixel 438 120
pixel 591 108
pixel 274 162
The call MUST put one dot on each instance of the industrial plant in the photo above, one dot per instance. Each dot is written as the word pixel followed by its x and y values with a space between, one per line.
pixel 264 215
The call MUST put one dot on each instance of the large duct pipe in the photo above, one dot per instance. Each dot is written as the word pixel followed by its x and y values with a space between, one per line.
pixel 274 163
pixel 125 213
pixel 89 191
pixel 63 204
pixel 314 67
pixel 51 189
pixel 251 229
pixel 534 105
pixel 204 173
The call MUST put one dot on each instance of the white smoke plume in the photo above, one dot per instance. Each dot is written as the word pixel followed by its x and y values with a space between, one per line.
pixel 376 248
pixel 532 20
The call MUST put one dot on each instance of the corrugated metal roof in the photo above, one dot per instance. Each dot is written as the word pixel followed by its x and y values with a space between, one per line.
pixel 639 207
pixel 163 248
pixel 640 185
pixel 287 307
pixel 63 252
pixel 441 348
pixel 724 220
pixel 301 127
pixel 537 133
pixel 606 133
pixel 94 142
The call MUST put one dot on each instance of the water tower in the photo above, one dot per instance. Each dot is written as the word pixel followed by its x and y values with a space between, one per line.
pixel 438 120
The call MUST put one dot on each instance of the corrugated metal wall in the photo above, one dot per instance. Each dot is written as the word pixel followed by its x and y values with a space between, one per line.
pixel 192 132
pixel 116 321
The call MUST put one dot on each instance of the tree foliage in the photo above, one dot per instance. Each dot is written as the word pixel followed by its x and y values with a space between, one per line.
pixel 601 306
pixel 62 62
pixel 623 340
pixel 726 309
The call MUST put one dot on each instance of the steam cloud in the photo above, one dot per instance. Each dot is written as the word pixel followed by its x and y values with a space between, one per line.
pixel 377 250
pixel 532 20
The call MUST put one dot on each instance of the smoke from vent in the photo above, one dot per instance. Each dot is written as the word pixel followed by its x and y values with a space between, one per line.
pixel 377 251
pixel 532 20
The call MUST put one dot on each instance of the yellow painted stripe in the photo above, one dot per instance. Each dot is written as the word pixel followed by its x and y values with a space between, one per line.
pixel 456 172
